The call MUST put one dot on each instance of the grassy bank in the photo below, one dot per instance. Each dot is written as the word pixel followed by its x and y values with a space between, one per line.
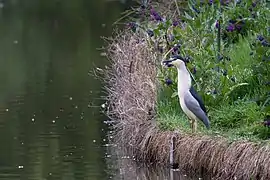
pixel 239 121
pixel 231 72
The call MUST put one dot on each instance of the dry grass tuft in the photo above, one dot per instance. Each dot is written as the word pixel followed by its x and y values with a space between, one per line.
pixel 131 88
pixel 131 85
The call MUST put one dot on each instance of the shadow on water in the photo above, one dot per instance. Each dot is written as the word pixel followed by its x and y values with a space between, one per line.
pixel 50 121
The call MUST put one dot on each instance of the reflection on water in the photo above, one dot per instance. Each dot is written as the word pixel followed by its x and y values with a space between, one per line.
pixel 50 121
pixel 124 167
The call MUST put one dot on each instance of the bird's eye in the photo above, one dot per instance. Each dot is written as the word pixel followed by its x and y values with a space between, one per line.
pixel 167 63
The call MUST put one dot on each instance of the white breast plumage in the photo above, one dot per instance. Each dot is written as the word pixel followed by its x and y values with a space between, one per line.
pixel 185 109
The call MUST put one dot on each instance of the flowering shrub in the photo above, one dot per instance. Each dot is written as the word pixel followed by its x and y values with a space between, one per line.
pixel 227 44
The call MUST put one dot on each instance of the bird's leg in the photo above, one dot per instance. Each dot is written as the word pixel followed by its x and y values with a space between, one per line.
pixel 192 125
pixel 195 125
pixel 190 121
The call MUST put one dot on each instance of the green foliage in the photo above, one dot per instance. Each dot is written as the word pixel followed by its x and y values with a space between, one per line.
pixel 228 48
pixel 240 120
pixel 235 115
pixel 261 132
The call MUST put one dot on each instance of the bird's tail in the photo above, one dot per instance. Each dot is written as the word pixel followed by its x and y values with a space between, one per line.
pixel 206 122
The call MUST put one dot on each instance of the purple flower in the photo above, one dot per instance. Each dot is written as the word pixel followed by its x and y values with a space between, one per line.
pixel 217 24
pixel 254 4
pixel 260 37
pixel 155 15
pixel 175 23
pixel 265 43
pixel 210 2
pixel 230 27
pixel 168 81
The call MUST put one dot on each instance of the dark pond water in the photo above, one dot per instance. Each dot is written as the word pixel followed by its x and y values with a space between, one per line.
pixel 50 121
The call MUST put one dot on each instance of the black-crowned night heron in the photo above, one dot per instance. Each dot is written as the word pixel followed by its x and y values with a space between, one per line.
pixel 190 101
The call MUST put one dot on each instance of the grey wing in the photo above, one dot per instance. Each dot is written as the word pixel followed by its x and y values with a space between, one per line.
pixel 194 106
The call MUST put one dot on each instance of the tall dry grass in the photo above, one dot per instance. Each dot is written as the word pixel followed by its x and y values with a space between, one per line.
pixel 131 85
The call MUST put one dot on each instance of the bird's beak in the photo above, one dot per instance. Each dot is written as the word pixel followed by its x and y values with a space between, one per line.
pixel 168 63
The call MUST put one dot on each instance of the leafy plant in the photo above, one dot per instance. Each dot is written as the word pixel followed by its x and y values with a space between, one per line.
pixel 227 44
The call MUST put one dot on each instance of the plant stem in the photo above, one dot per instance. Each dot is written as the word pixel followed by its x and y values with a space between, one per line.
pixel 219 33
pixel 177 7
pixel 219 41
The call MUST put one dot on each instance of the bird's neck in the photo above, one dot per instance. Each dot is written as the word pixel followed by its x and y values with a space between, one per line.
pixel 184 81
